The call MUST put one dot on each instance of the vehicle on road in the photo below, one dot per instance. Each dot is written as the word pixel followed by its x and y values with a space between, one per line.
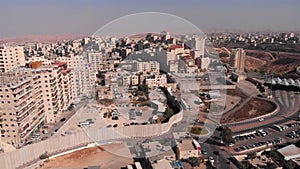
pixel 84 124
pixel 261 119
pixel 44 138
pixel 211 160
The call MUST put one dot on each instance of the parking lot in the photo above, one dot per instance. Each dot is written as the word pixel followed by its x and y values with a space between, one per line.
pixel 266 137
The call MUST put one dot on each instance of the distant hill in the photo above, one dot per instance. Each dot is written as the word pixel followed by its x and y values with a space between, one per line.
pixel 40 38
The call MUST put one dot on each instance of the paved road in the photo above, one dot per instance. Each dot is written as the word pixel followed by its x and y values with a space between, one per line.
pixel 221 158
pixel 289 105
pixel 53 128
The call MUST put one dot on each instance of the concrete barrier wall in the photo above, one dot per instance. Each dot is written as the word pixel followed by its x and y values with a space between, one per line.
pixel 58 144
pixel 216 87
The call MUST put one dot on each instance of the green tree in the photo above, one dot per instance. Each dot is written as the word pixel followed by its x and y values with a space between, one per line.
pixel 271 165
pixel 168 113
pixel 144 88
pixel 226 135
pixel 194 161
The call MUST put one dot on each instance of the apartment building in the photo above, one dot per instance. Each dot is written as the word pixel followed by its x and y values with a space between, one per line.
pixel 31 97
pixel 142 67
pixel 11 57
pixel 82 83
pixel 237 60
pixel 22 108
pixel 56 83
pixel 156 80
pixel 94 60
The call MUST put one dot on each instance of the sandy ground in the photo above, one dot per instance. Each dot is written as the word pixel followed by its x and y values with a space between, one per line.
pixel 231 102
pixel 96 156
pixel 253 108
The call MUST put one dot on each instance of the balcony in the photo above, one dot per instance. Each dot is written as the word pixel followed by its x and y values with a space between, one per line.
pixel 21 100
pixel 16 87
pixel 22 93
pixel 22 105
pixel 26 109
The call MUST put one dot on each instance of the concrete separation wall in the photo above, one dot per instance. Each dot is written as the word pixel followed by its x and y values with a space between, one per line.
pixel 59 144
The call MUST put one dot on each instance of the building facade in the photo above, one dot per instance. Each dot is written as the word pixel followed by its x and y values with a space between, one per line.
pixel 11 57
pixel 22 107
pixel 32 97
pixel 237 60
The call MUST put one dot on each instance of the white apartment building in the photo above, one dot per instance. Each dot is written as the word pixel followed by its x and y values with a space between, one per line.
pixel 82 83
pixel 94 60
pixel 11 57
pixel 142 67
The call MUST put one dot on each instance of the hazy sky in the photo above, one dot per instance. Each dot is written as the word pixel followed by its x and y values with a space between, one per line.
pixel 57 17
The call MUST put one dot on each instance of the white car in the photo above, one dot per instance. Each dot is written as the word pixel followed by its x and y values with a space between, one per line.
pixel 211 159
pixel 261 119
pixel 231 144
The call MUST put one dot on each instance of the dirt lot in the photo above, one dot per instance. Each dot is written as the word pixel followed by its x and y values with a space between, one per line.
pixel 279 63
pixel 94 156
pixel 254 108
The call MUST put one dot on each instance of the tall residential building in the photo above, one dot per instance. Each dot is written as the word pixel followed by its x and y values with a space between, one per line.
pixel 197 45
pixel 57 89
pixel 82 83
pixel 31 97
pixel 22 108
pixel 237 60
pixel 94 60
pixel 11 57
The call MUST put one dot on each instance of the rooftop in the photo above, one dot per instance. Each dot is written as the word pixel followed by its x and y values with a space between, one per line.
pixel 290 152
pixel 186 145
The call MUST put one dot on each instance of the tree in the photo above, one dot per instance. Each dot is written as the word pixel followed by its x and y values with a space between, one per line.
pixel 297 144
pixel 226 135
pixel 271 165
pixel 168 113
pixel 194 161
pixel 144 88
